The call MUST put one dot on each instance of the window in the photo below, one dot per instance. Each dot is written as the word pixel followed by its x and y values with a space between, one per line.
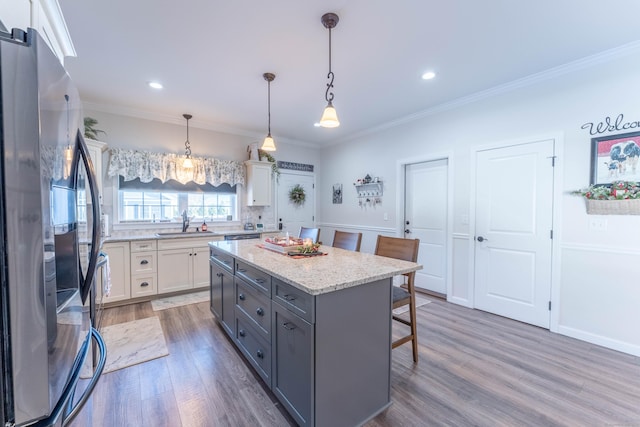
pixel 164 202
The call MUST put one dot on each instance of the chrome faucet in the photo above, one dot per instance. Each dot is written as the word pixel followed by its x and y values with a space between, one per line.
pixel 185 221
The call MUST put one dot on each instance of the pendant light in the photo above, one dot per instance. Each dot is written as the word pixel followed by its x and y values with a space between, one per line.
pixel 269 144
pixel 188 164
pixel 329 116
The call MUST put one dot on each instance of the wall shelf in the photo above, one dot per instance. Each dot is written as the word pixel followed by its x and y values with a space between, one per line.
pixel 371 189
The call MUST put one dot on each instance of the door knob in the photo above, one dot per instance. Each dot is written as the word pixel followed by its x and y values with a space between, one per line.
pixel 482 239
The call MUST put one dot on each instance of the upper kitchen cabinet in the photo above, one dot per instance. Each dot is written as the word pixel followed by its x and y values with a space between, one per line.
pixel 43 15
pixel 258 184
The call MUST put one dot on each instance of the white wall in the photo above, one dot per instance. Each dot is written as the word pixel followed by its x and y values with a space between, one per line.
pixel 155 136
pixel 596 287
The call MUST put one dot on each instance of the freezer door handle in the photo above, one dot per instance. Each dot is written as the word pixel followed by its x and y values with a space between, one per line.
pixel 95 207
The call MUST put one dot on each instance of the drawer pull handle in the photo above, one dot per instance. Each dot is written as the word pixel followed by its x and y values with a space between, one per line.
pixel 260 354
pixel 144 246
pixel 260 311
pixel 219 274
pixel 144 284
pixel 289 297
pixel 241 270
pixel 144 262
pixel 241 332
pixel 259 280
pixel 241 297
pixel 224 261
pixel 288 326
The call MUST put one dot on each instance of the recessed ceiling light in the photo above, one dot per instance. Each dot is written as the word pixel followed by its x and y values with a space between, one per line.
pixel 428 75
pixel 155 85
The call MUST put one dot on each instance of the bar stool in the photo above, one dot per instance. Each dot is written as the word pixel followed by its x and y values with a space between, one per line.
pixel 405 249
pixel 346 240
pixel 309 233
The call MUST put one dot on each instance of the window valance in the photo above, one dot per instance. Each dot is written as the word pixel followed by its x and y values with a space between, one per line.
pixel 132 164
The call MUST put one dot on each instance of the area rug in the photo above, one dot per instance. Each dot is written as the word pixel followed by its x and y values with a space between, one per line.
pixel 419 302
pixel 130 343
pixel 179 300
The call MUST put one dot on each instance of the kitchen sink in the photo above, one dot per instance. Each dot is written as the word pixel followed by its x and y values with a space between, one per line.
pixel 185 234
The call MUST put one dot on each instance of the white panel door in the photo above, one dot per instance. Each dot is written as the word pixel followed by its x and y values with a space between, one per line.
pixel 290 215
pixel 426 190
pixel 514 193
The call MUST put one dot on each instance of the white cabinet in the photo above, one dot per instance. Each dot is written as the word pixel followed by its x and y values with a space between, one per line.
pixel 183 264
pixel 143 268
pixel 119 266
pixel 96 148
pixel 258 185
pixel 43 15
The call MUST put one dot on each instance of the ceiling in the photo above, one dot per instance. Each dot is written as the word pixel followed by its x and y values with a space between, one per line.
pixel 210 56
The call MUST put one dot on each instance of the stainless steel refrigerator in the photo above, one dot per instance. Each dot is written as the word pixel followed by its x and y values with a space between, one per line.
pixel 49 242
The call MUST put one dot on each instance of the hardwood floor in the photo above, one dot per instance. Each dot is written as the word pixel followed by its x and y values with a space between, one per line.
pixel 475 369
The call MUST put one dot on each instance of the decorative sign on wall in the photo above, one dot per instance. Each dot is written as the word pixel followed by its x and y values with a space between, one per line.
pixel 295 166
pixel 610 125
pixel 337 194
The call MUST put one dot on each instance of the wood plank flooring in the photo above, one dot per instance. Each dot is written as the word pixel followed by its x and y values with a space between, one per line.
pixel 475 369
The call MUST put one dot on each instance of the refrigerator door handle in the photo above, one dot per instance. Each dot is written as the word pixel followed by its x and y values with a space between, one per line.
pixel 87 281
pixel 61 416
pixel 74 410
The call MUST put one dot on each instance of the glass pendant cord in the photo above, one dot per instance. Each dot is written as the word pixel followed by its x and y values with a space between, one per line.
pixel 328 94
pixel 269 106
pixel 187 144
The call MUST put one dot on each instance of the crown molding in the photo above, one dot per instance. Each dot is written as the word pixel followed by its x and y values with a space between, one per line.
pixel 552 73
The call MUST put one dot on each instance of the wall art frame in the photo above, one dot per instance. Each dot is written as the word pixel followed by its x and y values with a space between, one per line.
pixel 615 158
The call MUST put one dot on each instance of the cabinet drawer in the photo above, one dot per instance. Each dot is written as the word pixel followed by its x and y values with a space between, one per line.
pixel 259 279
pixel 221 258
pixel 143 285
pixel 294 300
pixel 255 305
pixel 257 351
pixel 143 262
pixel 143 245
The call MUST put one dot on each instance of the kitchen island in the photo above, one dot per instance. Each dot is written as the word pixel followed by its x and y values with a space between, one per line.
pixel 317 330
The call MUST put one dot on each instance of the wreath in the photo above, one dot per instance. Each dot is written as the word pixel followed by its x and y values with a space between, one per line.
pixel 297 195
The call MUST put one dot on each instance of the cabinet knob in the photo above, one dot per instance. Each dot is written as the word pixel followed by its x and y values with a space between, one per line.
pixel 219 274
pixel 260 354
pixel 241 332
pixel 144 284
pixel 260 311
pixel 241 297
pixel 259 280
pixel 144 262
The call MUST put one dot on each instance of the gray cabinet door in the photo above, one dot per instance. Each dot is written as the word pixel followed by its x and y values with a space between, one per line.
pixel 215 279
pixel 293 362
pixel 222 296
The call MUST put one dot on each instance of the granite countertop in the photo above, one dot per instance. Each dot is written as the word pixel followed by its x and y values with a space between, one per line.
pixel 178 235
pixel 316 275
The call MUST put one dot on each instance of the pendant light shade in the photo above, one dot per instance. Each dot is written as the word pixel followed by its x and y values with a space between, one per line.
pixel 269 144
pixel 329 116
pixel 188 164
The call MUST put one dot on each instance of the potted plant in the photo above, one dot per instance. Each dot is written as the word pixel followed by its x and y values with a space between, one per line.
pixel 619 198
pixel 274 166
pixel 90 130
